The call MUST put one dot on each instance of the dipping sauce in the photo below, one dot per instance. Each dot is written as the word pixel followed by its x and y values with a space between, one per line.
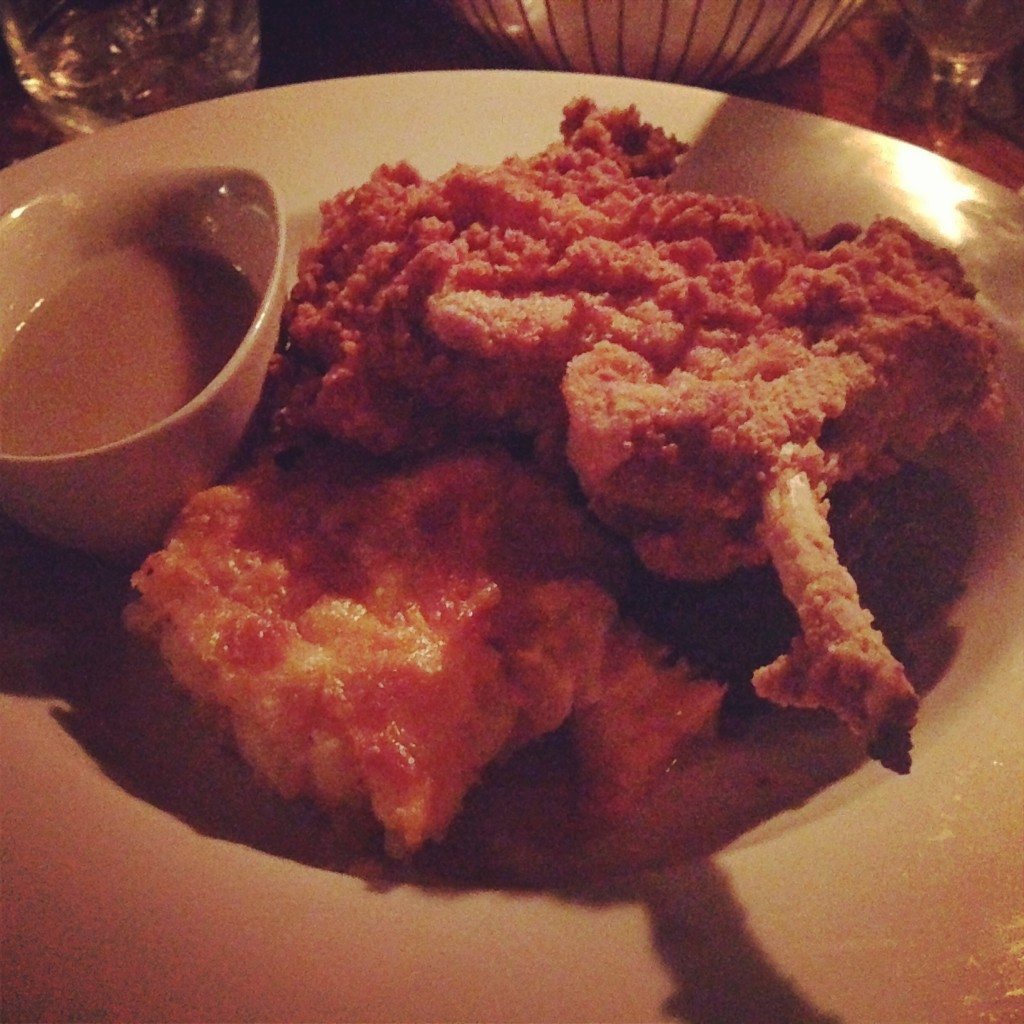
pixel 133 336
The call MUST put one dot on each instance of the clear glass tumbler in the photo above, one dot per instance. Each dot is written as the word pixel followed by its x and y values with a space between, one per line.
pixel 91 63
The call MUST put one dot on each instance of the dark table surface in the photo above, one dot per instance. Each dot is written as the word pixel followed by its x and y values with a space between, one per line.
pixel 850 77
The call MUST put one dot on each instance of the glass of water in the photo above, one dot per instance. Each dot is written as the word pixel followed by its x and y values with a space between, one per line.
pixel 91 63
pixel 962 38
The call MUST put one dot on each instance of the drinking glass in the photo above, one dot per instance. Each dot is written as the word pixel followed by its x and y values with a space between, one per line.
pixel 962 38
pixel 90 63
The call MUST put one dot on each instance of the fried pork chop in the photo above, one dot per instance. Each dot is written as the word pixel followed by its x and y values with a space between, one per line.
pixel 706 369
pixel 863 351
pixel 375 640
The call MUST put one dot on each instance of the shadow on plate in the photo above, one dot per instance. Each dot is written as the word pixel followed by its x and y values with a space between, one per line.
pixel 62 641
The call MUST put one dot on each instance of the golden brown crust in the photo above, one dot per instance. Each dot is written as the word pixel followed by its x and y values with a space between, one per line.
pixel 378 640
pixel 857 355
pixel 428 308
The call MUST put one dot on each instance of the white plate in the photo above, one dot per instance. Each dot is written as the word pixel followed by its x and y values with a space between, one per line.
pixel 883 899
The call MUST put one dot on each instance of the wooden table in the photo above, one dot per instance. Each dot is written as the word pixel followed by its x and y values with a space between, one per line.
pixel 848 78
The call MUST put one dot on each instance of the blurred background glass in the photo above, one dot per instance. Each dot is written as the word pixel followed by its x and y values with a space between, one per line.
pixel 90 63
pixel 962 39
